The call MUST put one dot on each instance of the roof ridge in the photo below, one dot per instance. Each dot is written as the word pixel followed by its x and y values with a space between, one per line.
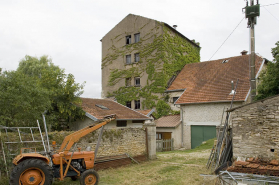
pixel 129 108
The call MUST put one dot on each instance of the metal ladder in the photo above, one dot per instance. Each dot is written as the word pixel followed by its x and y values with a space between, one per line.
pixel 8 155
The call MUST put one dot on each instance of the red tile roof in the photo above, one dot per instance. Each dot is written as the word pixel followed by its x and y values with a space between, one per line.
pixel 168 121
pixel 211 81
pixel 93 107
pixel 256 166
pixel 145 112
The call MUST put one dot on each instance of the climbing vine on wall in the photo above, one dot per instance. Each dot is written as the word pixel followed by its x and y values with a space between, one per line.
pixel 162 53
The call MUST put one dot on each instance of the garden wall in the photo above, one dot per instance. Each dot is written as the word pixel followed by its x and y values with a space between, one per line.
pixel 114 141
pixel 256 129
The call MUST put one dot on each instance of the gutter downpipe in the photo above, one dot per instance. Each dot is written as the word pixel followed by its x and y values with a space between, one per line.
pixel 181 118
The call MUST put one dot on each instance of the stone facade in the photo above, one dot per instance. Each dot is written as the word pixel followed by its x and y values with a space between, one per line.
pixel 153 51
pixel 256 128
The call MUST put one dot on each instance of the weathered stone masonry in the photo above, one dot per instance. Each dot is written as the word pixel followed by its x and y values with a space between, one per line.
pixel 256 129
pixel 114 141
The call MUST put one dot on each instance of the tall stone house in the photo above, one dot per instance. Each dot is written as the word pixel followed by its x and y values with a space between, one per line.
pixel 140 56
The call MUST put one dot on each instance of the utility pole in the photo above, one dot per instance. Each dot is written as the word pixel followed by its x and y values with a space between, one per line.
pixel 251 12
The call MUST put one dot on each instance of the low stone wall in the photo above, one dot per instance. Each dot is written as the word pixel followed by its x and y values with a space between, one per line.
pixel 131 141
pixel 114 141
pixel 256 129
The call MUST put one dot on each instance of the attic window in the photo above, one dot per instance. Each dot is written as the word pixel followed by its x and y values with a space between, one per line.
pixel 102 107
pixel 225 61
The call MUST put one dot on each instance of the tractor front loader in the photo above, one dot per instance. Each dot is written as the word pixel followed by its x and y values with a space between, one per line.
pixel 38 169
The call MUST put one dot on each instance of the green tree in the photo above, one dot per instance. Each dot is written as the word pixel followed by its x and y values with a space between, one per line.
pixel 64 92
pixel 269 85
pixel 162 109
pixel 22 99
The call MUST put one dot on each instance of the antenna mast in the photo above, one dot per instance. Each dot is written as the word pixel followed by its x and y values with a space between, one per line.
pixel 252 12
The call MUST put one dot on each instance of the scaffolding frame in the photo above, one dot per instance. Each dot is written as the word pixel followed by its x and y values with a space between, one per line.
pixel 7 144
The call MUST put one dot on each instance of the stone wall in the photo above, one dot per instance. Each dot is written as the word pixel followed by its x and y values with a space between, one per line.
pixel 114 141
pixel 256 129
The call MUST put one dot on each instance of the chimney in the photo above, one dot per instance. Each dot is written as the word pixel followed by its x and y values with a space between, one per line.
pixel 174 26
pixel 244 52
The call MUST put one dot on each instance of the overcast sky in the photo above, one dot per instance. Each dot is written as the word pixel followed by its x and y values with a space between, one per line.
pixel 69 31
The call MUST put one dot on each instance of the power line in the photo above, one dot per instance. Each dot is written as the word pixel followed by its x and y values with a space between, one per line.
pixel 269 4
pixel 227 37
pixel 271 14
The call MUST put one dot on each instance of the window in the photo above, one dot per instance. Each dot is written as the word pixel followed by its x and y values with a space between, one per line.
pixel 137 37
pixel 137 104
pixel 137 81
pixel 137 58
pixel 102 107
pixel 128 104
pixel 158 136
pixel 121 123
pixel 128 82
pixel 174 99
pixel 128 59
pixel 137 121
pixel 128 39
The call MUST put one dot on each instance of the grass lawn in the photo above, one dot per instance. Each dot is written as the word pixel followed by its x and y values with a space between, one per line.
pixel 170 168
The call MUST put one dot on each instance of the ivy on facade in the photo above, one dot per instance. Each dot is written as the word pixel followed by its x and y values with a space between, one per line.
pixel 161 56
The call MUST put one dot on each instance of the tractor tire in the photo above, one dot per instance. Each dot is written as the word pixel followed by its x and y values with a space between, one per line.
pixel 89 177
pixel 31 171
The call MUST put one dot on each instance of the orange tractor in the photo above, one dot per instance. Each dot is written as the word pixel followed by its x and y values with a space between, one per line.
pixel 37 169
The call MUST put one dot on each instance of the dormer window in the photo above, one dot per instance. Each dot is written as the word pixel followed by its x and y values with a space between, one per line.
pixel 225 61
pixel 102 107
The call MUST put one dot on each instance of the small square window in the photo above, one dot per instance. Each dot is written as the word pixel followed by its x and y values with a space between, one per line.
pixel 137 37
pixel 137 57
pixel 128 59
pixel 128 104
pixel 174 99
pixel 121 123
pixel 128 82
pixel 137 81
pixel 137 104
pixel 158 136
pixel 128 39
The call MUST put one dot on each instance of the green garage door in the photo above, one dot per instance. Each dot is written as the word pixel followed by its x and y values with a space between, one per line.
pixel 201 133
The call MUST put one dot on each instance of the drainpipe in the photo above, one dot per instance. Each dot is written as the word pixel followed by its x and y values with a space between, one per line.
pixel 181 119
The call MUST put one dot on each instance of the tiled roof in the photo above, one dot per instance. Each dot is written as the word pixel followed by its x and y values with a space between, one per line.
pixel 211 81
pixel 168 121
pixel 103 107
pixel 146 112
pixel 256 166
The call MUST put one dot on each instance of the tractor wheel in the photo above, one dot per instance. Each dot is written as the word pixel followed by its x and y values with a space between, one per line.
pixel 89 177
pixel 31 172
